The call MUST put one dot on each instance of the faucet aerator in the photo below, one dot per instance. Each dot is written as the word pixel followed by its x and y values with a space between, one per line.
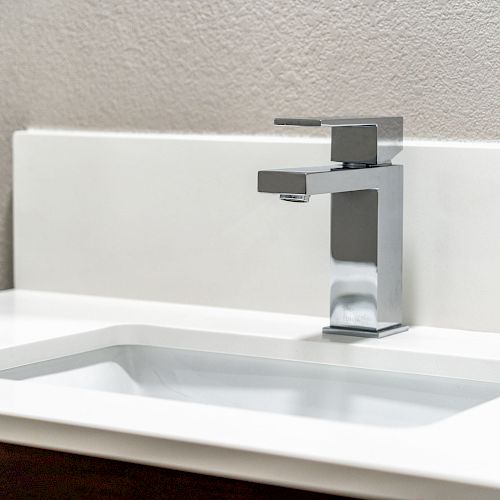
pixel 296 198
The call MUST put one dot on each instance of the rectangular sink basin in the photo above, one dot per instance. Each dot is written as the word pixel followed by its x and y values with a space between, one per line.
pixel 299 388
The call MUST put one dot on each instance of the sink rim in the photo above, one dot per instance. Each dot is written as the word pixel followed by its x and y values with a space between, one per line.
pixel 352 352
pixel 358 395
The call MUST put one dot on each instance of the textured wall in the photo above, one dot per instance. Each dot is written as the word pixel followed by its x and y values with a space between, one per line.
pixel 231 65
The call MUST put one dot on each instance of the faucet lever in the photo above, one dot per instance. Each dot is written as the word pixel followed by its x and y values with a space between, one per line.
pixel 358 141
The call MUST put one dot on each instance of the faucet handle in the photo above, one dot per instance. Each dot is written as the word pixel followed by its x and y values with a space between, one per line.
pixel 359 141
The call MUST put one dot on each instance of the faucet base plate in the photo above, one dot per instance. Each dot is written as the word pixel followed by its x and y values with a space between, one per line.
pixel 364 332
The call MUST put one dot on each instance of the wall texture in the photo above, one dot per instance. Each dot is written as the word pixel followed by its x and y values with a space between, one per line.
pixel 231 65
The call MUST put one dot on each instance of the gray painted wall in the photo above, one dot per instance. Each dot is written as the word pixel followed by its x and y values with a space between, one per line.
pixel 231 65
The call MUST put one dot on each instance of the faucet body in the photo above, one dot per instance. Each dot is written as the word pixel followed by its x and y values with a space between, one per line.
pixel 366 237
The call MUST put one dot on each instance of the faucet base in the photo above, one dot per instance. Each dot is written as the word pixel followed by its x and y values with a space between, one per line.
pixel 364 332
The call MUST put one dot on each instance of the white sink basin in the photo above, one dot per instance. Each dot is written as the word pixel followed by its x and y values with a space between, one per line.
pixel 294 387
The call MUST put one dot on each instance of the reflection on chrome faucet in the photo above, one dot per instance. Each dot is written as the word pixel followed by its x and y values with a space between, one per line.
pixel 353 293
pixel 366 219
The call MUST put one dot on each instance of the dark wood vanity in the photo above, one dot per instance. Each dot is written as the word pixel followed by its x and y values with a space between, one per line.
pixel 29 473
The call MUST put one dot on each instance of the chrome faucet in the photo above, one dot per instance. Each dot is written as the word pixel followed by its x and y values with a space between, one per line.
pixel 366 219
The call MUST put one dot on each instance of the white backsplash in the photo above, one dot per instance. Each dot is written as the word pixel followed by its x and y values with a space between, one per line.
pixel 179 219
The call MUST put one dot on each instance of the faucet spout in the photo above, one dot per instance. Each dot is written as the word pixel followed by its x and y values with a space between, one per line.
pixel 322 180
pixel 365 245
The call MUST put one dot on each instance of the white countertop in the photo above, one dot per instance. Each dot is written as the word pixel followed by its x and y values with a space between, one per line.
pixel 454 458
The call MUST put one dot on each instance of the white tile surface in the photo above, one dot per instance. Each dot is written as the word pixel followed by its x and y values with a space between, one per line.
pixel 178 218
